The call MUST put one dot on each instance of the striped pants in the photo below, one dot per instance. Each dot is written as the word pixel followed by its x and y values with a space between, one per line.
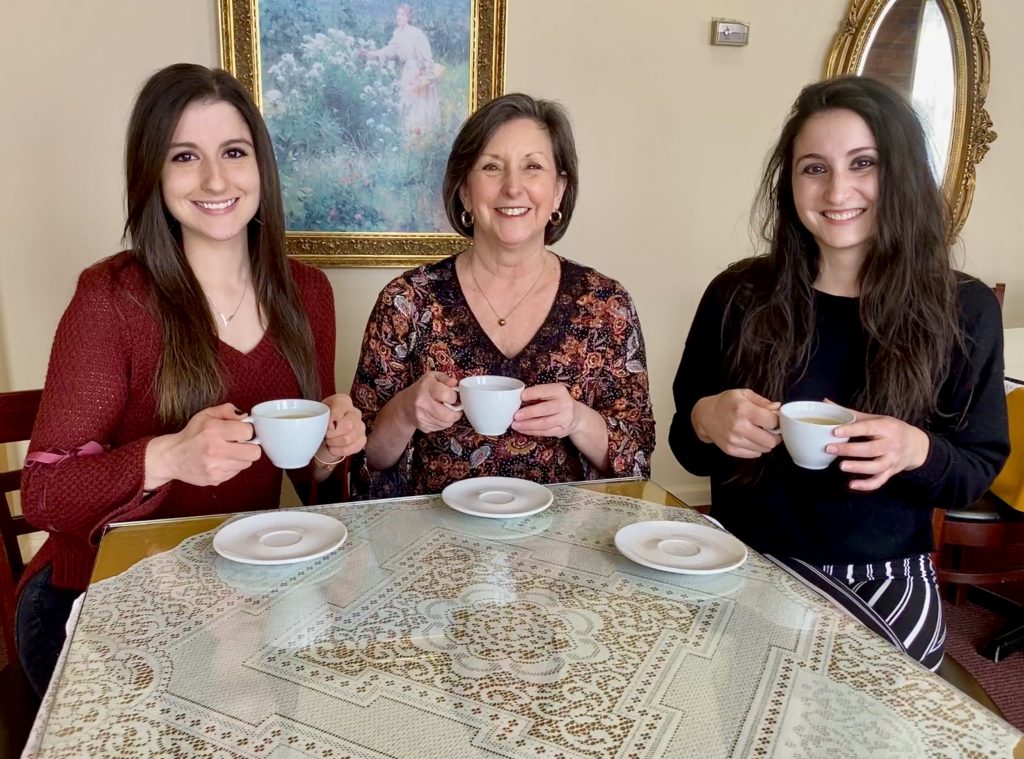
pixel 898 599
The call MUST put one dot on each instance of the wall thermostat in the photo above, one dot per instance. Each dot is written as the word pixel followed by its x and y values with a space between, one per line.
pixel 729 32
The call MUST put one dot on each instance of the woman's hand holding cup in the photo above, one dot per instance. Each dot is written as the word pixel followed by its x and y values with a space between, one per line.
pixel 346 433
pixel 209 450
pixel 740 422
pixel 424 403
pixel 551 412
pixel 885 446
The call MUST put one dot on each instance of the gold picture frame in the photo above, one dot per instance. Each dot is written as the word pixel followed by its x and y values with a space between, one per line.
pixel 240 54
pixel 972 126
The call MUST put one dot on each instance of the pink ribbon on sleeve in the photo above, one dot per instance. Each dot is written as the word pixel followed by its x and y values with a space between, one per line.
pixel 57 457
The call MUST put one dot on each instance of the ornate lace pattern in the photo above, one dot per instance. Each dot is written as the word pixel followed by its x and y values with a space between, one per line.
pixel 434 634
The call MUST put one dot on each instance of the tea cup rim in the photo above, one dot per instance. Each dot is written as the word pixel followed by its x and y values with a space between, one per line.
pixel 478 380
pixel 841 414
pixel 265 409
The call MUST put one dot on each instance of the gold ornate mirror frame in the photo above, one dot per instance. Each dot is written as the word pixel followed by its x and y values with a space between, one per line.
pixel 972 126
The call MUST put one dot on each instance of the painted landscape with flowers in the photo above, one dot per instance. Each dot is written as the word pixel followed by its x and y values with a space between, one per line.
pixel 363 99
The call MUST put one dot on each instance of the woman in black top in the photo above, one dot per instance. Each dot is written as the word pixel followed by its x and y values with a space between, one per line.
pixel 856 302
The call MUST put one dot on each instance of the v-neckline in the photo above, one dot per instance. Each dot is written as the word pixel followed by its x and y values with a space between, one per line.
pixel 252 351
pixel 544 325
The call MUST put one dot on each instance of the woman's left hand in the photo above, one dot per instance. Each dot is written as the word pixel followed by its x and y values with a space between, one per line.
pixel 892 446
pixel 346 433
pixel 551 412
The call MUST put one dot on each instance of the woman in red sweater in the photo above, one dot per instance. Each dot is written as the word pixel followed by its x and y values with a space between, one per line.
pixel 165 346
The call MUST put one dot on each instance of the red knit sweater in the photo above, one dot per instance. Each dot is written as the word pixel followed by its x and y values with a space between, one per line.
pixel 99 387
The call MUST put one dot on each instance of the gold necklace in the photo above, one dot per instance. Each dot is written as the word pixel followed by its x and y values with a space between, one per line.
pixel 503 320
pixel 226 319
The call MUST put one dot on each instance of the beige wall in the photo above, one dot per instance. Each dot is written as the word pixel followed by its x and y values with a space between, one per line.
pixel 671 133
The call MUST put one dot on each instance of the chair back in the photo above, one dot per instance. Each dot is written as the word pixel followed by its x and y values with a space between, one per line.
pixel 17 415
pixel 999 290
pixel 1009 483
pixel 968 540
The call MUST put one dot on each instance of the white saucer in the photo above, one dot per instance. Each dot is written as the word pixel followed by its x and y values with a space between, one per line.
pixel 680 547
pixel 497 497
pixel 279 537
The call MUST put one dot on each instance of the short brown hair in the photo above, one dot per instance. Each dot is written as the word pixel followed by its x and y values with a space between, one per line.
pixel 477 131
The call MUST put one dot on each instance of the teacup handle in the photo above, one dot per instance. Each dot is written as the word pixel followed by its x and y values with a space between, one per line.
pixel 253 440
pixel 453 406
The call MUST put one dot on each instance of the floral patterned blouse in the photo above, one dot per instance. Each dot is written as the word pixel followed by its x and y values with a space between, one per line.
pixel 591 342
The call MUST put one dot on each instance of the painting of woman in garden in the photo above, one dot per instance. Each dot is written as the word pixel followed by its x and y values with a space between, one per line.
pixel 362 104
pixel 417 87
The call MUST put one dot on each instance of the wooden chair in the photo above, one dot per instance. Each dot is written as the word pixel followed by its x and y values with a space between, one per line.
pixel 966 537
pixel 968 540
pixel 17 415
pixel 968 544
pixel 999 289
pixel 20 705
pixel 20 702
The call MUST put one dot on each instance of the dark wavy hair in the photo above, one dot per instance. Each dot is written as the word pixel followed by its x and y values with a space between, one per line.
pixel 477 131
pixel 189 377
pixel 907 283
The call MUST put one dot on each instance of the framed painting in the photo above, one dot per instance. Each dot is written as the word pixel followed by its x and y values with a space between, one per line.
pixel 363 99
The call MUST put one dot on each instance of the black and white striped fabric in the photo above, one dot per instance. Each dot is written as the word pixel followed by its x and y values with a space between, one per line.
pixel 899 600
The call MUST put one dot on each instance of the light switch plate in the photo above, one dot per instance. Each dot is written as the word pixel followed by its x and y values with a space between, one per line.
pixel 726 31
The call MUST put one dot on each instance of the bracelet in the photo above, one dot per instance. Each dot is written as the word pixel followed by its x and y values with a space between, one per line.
pixel 328 465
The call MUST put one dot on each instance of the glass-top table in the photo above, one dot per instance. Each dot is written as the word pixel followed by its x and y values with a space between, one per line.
pixel 434 634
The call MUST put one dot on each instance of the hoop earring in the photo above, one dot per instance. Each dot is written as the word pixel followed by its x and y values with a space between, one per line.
pixel 466 217
pixel 556 217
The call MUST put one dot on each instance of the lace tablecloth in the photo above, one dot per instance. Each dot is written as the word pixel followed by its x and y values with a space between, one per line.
pixel 435 634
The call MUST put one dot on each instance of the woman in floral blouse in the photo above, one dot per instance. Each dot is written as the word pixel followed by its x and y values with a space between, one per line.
pixel 505 306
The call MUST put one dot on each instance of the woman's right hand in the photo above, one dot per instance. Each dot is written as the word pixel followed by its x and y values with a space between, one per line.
pixel 422 404
pixel 739 422
pixel 209 450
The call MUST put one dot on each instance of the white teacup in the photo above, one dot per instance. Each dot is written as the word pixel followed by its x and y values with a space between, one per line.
pixel 808 427
pixel 489 402
pixel 289 430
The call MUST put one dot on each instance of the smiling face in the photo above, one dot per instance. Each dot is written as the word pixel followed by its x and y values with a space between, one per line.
pixel 210 180
pixel 835 182
pixel 513 187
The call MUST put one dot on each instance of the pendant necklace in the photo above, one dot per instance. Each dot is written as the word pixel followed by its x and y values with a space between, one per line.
pixel 225 319
pixel 503 320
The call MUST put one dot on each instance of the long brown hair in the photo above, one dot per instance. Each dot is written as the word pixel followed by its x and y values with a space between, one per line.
pixel 907 284
pixel 189 377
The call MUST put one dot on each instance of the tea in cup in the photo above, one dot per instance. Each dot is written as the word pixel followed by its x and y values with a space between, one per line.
pixel 489 402
pixel 808 427
pixel 289 430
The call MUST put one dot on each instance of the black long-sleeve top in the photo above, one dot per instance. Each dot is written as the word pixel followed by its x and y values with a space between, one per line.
pixel 813 515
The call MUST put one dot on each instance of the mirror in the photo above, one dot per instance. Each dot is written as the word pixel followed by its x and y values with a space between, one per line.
pixel 936 52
